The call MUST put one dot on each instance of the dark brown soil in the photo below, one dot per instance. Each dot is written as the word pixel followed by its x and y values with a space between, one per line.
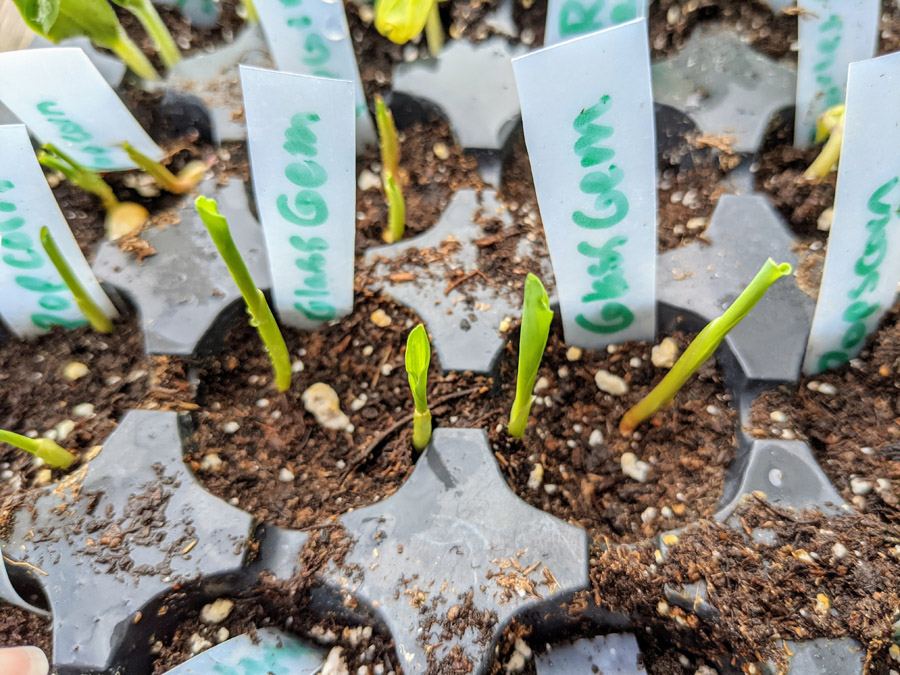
pixel 766 593
pixel 428 182
pixel 854 432
pixel 19 628
pixel 687 446
pixel 889 37
pixel 335 471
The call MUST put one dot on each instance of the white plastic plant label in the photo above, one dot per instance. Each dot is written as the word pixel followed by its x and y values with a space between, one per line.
pixel 862 265
pixel 33 296
pixel 62 99
pixel 590 136
pixel 570 18
pixel 311 37
pixel 832 34
pixel 300 131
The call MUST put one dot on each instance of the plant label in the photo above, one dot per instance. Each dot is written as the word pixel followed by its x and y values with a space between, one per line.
pixel 570 18
pixel 63 99
pixel 300 130
pixel 268 651
pixel 33 296
pixel 832 34
pixel 862 264
pixel 590 135
pixel 311 37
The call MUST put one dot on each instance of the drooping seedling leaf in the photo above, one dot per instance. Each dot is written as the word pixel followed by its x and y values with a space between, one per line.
pixel 703 346
pixel 99 321
pixel 42 448
pixel 186 179
pixel 830 125
pixel 536 319
pixel 148 16
pixel 418 358
pixel 260 314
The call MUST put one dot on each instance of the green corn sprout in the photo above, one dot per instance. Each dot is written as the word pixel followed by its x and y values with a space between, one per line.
pixel 100 322
pixel 418 357
pixel 261 316
pixel 57 20
pixel 122 218
pixel 402 20
pixel 42 448
pixel 536 319
pixel 247 11
pixel 703 346
pixel 388 140
pixel 434 31
pixel 148 16
pixel 396 211
pixel 831 126
pixel 186 179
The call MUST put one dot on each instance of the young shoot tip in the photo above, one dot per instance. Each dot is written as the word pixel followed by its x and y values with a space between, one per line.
pixel 42 448
pixel 178 184
pixel 418 358
pixel 830 125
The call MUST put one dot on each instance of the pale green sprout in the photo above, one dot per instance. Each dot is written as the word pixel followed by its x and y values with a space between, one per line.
pixel 261 316
pixel 830 125
pixel 536 319
pixel 99 321
pixel 122 218
pixel 396 212
pixel 186 179
pixel 418 358
pixel 148 16
pixel 390 171
pixel 402 20
pixel 42 448
pixel 57 20
pixel 703 346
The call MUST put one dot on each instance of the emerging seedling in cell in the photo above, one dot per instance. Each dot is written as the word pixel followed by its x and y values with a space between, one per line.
pixel 122 218
pixel 146 13
pixel 703 346
pixel 99 321
pixel 418 358
pixel 536 319
pixel 42 448
pixel 261 316
pixel 831 126
pixel 402 20
pixel 186 179
pixel 57 20
pixel 390 171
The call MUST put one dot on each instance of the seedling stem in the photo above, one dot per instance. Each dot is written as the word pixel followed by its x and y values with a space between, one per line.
pixel 831 126
pixel 186 179
pixel 261 316
pixel 396 211
pixel 43 448
pixel 148 16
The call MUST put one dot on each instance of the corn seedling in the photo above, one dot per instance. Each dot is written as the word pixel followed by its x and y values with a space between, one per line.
pixel 247 11
pixel 390 171
pixel 57 20
pixel 703 346
pixel 99 321
pixel 122 218
pixel 148 16
pixel 186 179
pixel 42 448
pixel 261 316
pixel 418 357
pixel 536 319
pixel 402 20
pixel 830 125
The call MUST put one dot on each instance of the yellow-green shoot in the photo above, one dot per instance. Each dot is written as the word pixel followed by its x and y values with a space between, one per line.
pixel 57 20
pixel 536 319
pixel 99 321
pixel 703 346
pixel 418 358
pixel 261 316
pixel 830 125
pixel 42 448
pixel 402 20
pixel 148 16
pixel 186 179
pixel 122 218
pixel 390 171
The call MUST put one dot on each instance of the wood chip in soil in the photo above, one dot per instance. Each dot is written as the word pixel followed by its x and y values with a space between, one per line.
pixel 851 418
pixel 688 447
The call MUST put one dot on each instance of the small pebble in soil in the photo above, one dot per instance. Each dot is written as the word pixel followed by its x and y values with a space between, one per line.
pixel 234 501
pixel 635 362
pixel 286 476
pixel 211 462
pixel 574 353
pixel 542 384
pixel 713 409
pixel 199 644
pixel 788 435
pixel 667 512
pixel 536 477
pixel 359 402
pixel 634 468
pixel 823 224
pixel 6 474
pixel 866 451
pixel 596 438
pixel 662 608
pixel 323 402
pixel 74 370
pixel 839 551
pixel 550 488
pixel 222 634
pixel 63 429
pixel 43 477
pixel 665 353
pixel 778 416
pixel 367 350
pixel 649 514
pixel 505 325
pixel 262 403
pixel 859 486
pixel 563 373
pixel 697 223
pixel 823 604
pixel 380 318
pixel 611 384
pixel 231 427
pixel 83 410
pixel 368 180
pixel 216 611
pixel 334 663
pixel 827 389
pixel 441 151
pixel 297 366
pixel 387 369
